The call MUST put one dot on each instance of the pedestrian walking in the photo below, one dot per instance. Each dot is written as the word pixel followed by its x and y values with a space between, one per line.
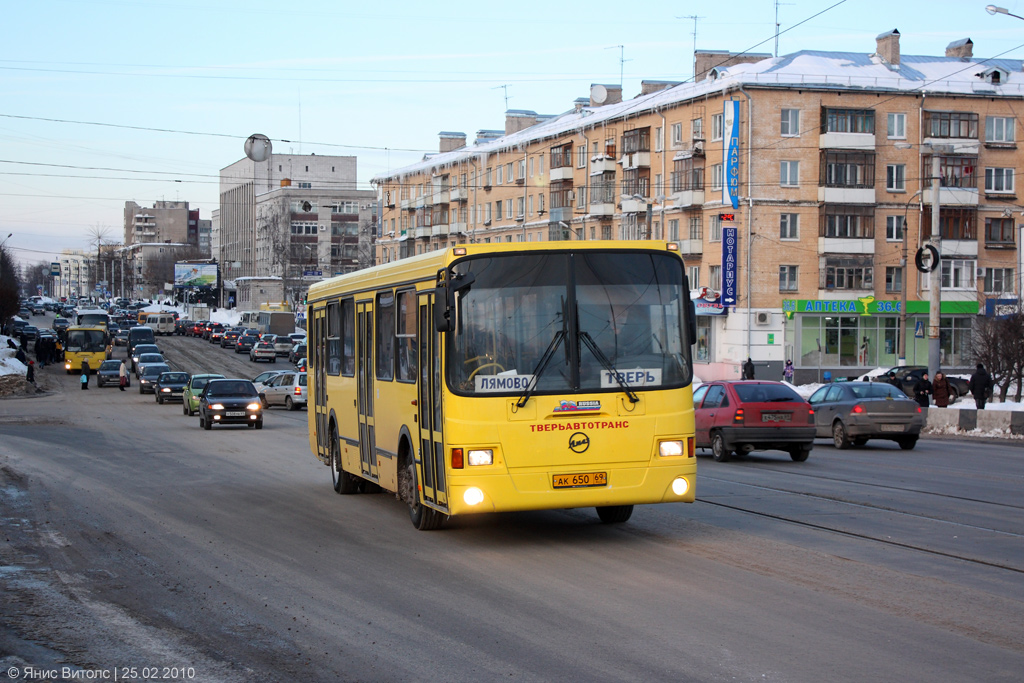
pixel 748 369
pixel 122 372
pixel 30 374
pixel 787 372
pixel 85 375
pixel 923 391
pixel 980 385
pixel 20 355
pixel 891 379
pixel 941 390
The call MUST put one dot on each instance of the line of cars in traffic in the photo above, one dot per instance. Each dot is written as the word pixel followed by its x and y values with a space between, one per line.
pixel 218 400
pixel 739 417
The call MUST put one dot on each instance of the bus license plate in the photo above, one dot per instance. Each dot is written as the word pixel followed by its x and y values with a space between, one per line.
pixel 235 413
pixel 575 481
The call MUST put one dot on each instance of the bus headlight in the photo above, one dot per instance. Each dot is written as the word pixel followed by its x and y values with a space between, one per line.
pixel 481 457
pixel 670 448
pixel 473 496
pixel 680 486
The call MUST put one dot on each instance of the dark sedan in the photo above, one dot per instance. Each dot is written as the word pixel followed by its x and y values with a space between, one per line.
pixel 110 373
pixel 908 376
pixel 245 343
pixel 148 376
pixel 853 412
pixel 170 386
pixel 230 401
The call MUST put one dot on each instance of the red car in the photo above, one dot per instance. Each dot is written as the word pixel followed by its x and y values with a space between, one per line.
pixel 752 416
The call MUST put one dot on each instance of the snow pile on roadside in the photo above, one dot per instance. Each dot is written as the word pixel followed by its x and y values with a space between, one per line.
pixel 954 431
pixel 9 365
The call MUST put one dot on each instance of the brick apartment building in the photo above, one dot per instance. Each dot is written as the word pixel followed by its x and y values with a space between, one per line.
pixel 817 159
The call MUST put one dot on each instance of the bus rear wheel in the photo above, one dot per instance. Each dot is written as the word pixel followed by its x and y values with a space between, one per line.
pixel 344 483
pixel 615 514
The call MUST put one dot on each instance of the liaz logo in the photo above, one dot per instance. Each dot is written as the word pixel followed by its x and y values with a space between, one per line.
pixel 574 407
pixel 579 442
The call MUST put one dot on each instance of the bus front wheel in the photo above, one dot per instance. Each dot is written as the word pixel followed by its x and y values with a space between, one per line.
pixel 422 517
pixel 615 514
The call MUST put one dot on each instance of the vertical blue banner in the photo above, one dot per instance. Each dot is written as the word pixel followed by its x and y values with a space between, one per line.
pixel 731 153
pixel 730 256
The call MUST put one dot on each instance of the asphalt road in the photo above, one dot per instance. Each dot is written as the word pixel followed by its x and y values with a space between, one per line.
pixel 132 538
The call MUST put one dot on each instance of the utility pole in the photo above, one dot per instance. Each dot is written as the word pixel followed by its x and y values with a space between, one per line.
pixel 935 295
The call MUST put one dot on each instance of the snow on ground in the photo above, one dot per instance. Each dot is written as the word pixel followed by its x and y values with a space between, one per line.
pixel 9 365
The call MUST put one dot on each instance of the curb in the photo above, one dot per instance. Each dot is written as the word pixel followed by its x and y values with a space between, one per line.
pixel 969 419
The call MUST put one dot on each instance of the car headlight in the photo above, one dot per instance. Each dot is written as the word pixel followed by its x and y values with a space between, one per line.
pixel 253 406
pixel 166 389
pixel 670 448
pixel 481 457
pixel 216 406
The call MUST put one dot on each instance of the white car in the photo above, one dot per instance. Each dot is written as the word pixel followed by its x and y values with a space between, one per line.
pixel 263 350
pixel 287 389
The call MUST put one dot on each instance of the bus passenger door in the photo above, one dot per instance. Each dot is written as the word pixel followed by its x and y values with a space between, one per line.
pixel 316 332
pixel 431 446
pixel 364 400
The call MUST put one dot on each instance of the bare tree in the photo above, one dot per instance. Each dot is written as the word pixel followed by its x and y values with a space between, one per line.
pixel 998 343
pixel 8 286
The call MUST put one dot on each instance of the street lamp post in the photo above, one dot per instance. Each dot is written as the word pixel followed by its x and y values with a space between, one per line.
pixel 935 293
pixel 992 9
pixel 903 288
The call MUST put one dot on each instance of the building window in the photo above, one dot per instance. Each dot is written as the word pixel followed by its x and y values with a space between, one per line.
pixel 848 277
pixel 847 169
pixel 893 279
pixel 715 277
pixel 956 171
pixel 716 177
pixel 999 180
pixel 845 221
pixel 717 126
pixel 847 120
pixel 951 124
pixel 896 126
pixel 561 156
pixel 697 129
pixel 790 122
pixel 715 233
pixel 638 140
pixel 677 135
pixel 497 209
pixel 896 178
pixel 787 278
pixel 894 228
pixel 686 176
pixel 602 188
pixel 659 139
pixel 508 208
pixel 789 173
pixel 958 274
pixel 636 181
pixel 696 228
pixel 954 223
pixel 998 129
pixel 501 175
pixel 999 280
pixel 789 226
pixel 581 156
pixel 673 230
pixel 581 197
pixel 999 231
pixel 694 277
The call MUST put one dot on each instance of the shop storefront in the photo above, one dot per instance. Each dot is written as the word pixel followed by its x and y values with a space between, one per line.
pixel 847 337
pixel 708 308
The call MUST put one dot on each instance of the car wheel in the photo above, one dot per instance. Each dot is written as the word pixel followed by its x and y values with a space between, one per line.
pixel 206 424
pixel 839 438
pixel 907 443
pixel 615 514
pixel 344 483
pixel 274 359
pixel 140 388
pixel 259 424
pixel 184 406
pixel 800 454
pixel 288 403
pixel 159 398
pixel 263 402
pixel 718 450
pixel 421 516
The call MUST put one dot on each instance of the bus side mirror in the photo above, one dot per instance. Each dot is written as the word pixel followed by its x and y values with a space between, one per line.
pixel 691 327
pixel 442 308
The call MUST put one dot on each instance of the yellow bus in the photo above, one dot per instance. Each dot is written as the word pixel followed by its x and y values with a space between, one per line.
pixel 86 343
pixel 490 378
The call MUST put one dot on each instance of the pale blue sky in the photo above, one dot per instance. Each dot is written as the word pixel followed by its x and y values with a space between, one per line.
pixel 378 81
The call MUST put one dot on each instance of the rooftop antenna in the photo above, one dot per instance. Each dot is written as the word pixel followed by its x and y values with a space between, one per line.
pixel 695 18
pixel 505 88
pixel 777 3
pixel 622 60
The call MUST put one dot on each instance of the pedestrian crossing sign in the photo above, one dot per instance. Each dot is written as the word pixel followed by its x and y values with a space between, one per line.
pixel 919 329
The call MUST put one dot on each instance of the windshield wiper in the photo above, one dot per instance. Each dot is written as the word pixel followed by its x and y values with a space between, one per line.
pixel 607 365
pixel 544 360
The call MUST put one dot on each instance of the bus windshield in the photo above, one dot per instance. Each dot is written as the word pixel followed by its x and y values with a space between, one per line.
pixel 86 341
pixel 560 322
pixel 93 318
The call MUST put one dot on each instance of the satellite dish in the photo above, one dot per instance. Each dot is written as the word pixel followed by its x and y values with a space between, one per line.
pixel 258 147
pixel 598 94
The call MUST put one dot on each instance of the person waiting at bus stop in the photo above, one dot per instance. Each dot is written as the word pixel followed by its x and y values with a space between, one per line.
pixel 85 375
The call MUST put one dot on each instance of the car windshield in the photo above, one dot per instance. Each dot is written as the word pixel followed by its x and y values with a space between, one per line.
pixel 199 382
pixel 150 358
pixel 766 393
pixel 174 378
pixel 559 322
pixel 141 349
pixel 875 390
pixel 154 370
pixel 228 389
pixel 110 365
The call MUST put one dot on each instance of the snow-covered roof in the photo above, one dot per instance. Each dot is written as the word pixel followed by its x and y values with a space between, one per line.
pixel 807 69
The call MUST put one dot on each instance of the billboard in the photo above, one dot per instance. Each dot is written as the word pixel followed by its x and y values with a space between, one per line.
pixel 195 275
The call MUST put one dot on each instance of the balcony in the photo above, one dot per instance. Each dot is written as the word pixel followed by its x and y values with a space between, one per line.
pixel 404 203
pixel 458 229
pixel 632 205
pixel 953 196
pixel 691 247
pixel 439 230
pixel 602 164
pixel 965 146
pixel 561 173
pixel 602 209
pixel 954 249
pixel 422 231
pixel 846 245
pixel 459 194
pixel 685 198
pixel 636 160
pixel 563 214
pixel 846 195
pixel 860 141
pixel 418 203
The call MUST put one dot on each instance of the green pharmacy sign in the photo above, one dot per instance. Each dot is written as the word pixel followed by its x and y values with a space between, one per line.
pixel 868 305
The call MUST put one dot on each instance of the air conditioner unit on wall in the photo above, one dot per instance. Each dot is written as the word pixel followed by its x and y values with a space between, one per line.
pixel 981 272
pixel 762 318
